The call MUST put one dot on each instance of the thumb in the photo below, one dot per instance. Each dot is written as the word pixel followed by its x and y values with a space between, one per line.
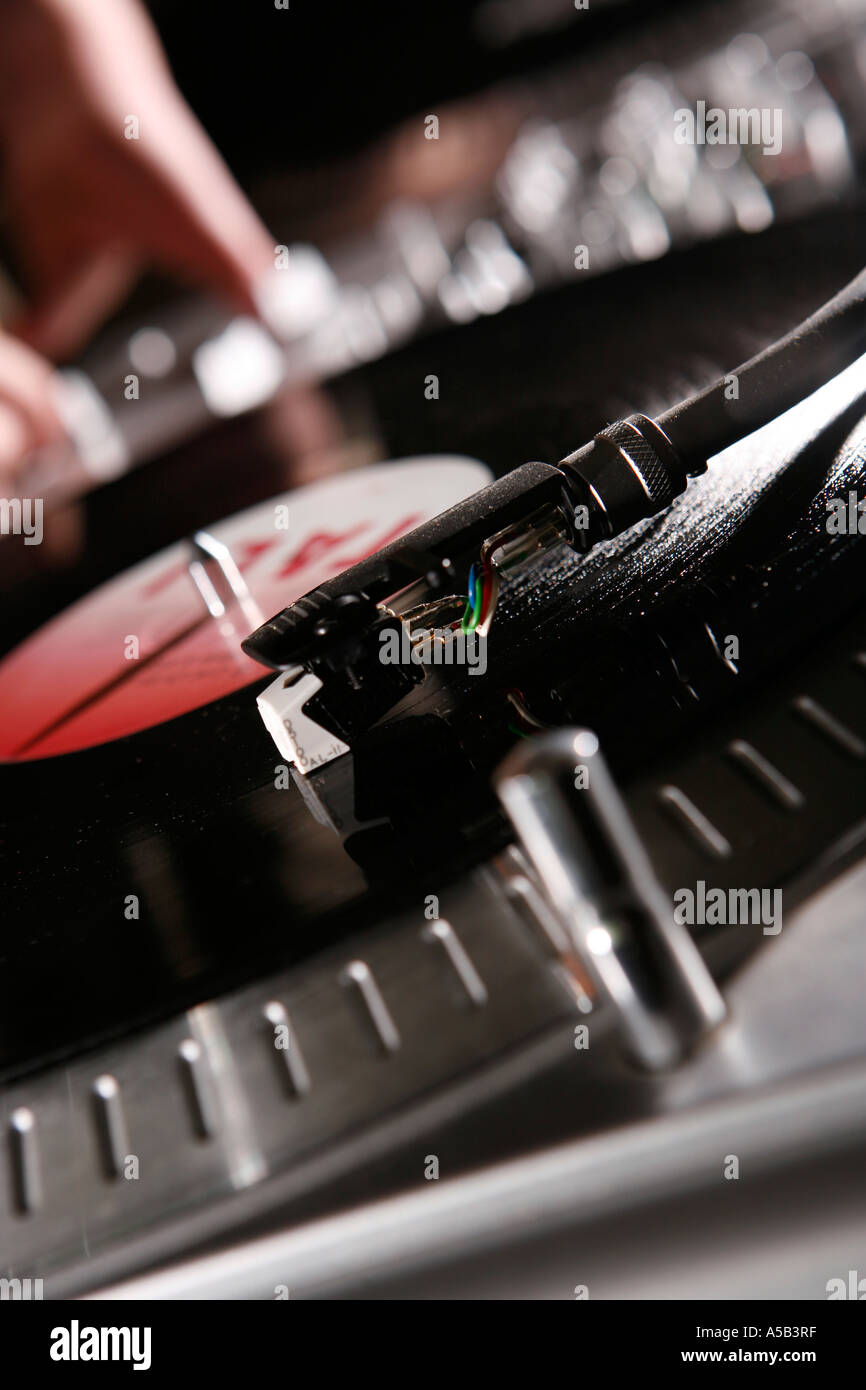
pixel 65 316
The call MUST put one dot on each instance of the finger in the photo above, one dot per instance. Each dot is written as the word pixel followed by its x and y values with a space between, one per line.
pixel 27 396
pixel 14 445
pixel 191 215
pixel 64 318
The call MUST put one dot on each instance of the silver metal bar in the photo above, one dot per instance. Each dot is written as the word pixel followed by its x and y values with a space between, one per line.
pixel 204 1110
pixel 692 818
pixel 766 774
pixel 595 871
pixel 277 1016
pixel 457 954
pixel 112 1123
pixel 27 1167
pixel 215 573
pixel 359 975
pixel 832 728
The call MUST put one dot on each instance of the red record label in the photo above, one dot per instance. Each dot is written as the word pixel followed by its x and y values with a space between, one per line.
pixel 162 638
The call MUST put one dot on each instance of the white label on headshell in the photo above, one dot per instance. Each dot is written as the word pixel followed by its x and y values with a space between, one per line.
pixel 300 739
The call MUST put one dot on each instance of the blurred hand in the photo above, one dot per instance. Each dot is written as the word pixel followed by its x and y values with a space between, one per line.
pixel 88 205
pixel 27 417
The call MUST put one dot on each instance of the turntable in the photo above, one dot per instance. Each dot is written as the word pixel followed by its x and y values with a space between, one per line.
pixel 476 970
